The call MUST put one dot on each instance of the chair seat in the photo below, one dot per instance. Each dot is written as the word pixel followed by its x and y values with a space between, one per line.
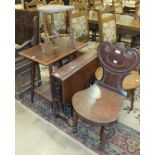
pixel 97 104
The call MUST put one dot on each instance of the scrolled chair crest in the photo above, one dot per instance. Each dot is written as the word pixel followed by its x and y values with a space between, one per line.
pixel 117 57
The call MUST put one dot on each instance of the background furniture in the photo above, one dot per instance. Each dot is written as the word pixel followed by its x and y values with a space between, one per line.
pixel 107 26
pixel 97 4
pixel 26 36
pixel 33 4
pixel 81 31
pixel 101 103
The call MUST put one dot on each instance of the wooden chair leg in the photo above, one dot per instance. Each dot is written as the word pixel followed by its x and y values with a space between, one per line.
pixel 101 134
pixel 132 98
pixel 101 137
pixel 75 122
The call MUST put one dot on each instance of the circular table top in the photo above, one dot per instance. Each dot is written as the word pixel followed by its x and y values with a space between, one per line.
pixel 55 8
pixel 131 81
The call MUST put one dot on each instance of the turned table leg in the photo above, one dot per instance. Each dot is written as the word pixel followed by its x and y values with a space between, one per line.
pixel 132 98
pixel 32 80
pixel 53 103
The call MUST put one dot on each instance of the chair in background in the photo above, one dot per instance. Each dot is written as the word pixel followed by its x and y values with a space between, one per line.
pixel 26 36
pixel 107 25
pixel 101 103
pixel 97 4
pixel 80 6
pixel 81 31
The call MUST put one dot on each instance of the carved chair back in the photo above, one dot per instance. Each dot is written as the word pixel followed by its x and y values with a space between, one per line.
pixel 117 62
pixel 26 26
pixel 80 26
pixel 107 25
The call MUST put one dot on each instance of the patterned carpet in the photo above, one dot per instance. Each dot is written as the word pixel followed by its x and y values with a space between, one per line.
pixel 123 140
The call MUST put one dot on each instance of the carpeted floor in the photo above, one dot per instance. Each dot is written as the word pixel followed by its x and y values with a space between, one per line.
pixel 123 140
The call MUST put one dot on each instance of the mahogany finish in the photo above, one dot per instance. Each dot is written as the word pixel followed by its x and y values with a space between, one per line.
pixel 78 71
pixel 131 81
pixel 101 103
pixel 56 51
pixel 48 55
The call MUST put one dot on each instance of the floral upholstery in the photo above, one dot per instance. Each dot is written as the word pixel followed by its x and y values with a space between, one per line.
pixel 109 31
pixel 59 22
pixel 80 29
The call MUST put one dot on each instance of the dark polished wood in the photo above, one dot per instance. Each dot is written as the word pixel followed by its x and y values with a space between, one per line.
pixel 130 82
pixel 52 53
pixel 78 71
pixel 26 36
pixel 101 103
pixel 55 52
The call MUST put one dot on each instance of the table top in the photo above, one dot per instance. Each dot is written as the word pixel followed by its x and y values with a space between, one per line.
pixel 55 52
pixel 134 25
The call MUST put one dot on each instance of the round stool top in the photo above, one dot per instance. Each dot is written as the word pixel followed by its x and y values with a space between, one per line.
pixel 50 9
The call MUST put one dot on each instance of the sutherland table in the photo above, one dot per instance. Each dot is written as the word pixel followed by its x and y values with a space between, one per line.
pixel 56 54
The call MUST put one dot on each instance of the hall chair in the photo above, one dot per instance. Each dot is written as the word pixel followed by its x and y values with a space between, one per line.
pixel 101 103
pixel 26 36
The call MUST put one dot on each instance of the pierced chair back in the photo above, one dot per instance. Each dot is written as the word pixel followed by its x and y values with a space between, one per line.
pixel 117 62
